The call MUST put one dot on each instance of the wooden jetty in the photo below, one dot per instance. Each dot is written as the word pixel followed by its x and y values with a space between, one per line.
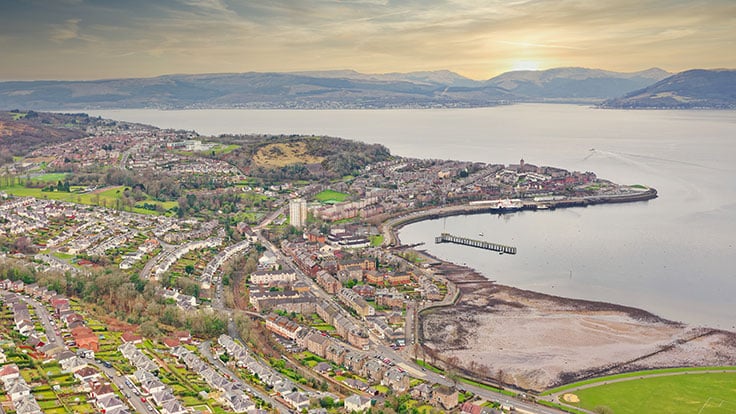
pixel 449 238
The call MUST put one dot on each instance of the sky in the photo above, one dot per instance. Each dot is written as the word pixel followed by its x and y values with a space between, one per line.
pixel 101 39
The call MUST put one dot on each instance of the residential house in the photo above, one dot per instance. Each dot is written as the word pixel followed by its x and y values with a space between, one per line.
pixel 151 385
pixel 129 336
pixel 373 369
pixel 354 361
pixel 17 389
pixel 296 400
pixel 27 405
pixel 101 391
pixel 316 344
pixel 108 403
pixel 396 379
pixel 173 407
pixel 73 364
pixel 160 397
pixel 422 392
pixel 357 403
pixel 446 397
pixel 356 302
pixel 322 368
pixel 328 282
pixel 282 326
pixel 398 279
pixel 239 402
pixel 335 353
pixel 9 373
pixel 86 374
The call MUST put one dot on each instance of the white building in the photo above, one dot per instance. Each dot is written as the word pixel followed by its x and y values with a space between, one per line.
pixel 298 212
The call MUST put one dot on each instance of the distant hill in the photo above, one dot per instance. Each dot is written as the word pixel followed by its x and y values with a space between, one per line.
pixel 698 88
pixel 574 83
pixel 326 89
pixel 344 89
pixel 23 132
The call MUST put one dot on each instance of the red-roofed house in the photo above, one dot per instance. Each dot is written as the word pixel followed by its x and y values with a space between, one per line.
pixel 131 337
pixel 171 342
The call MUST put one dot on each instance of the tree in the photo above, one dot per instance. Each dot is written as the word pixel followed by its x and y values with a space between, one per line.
pixel 189 269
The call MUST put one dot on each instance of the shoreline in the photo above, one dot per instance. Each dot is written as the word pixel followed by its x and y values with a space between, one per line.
pixel 391 225
pixel 532 341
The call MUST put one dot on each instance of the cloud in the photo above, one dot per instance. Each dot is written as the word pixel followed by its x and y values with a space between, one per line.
pixel 540 45
pixel 66 31
pixel 477 38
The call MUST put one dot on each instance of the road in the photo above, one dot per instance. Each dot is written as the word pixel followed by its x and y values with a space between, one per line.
pixel 43 315
pixel 204 349
pixel 404 360
pixel 53 337
pixel 131 394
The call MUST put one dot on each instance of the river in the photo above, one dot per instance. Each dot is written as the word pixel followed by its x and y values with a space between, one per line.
pixel 673 256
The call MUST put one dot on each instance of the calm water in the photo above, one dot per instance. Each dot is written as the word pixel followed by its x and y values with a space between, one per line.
pixel 673 256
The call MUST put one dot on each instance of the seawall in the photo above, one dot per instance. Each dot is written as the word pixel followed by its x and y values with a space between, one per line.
pixel 391 225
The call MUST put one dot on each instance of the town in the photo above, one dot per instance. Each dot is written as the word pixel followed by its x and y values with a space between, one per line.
pixel 155 270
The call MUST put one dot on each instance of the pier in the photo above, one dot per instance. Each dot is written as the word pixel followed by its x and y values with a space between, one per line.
pixel 449 238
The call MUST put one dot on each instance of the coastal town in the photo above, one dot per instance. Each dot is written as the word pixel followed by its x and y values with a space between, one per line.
pixel 212 285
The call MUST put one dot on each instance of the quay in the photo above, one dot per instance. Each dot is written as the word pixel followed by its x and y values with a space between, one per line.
pixel 449 238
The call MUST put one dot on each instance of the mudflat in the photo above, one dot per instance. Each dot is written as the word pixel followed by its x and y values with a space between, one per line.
pixel 535 341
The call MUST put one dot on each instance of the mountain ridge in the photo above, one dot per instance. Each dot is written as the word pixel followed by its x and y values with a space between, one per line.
pixel 334 89
pixel 696 88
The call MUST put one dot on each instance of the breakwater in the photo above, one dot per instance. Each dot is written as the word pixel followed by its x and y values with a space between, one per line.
pixel 391 225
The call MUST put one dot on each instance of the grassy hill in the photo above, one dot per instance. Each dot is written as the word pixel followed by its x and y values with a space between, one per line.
pixel 709 89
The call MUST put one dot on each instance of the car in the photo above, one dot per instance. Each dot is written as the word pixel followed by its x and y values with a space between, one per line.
pixel 106 364
pixel 143 399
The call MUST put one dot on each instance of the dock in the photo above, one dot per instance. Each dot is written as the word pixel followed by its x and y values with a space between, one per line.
pixel 449 238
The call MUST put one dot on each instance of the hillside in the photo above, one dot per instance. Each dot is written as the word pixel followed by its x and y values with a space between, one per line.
pixel 341 89
pixel 22 132
pixel 295 157
pixel 574 83
pixel 699 88
pixel 327 89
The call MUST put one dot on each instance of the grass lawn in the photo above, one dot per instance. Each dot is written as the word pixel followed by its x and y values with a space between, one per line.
pixel 377 240
pixel 429 366
pixel 51 177
pixel 486 386
pixel 225 149
pixel 635 374
pixel 105 198
pixel 687 393
pixel 331 197
pixel 324 327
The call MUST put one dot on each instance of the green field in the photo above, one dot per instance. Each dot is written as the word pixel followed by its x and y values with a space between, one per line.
pixel 104 198
pixel 708 393
pixel 331 197
pixel 225 149
pixel 633 375
pixel 51 177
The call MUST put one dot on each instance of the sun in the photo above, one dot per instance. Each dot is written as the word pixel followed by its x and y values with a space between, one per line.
pixel 525 65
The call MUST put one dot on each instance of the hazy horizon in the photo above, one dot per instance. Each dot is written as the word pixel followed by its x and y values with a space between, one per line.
pixel 316 71
pixel 100 39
